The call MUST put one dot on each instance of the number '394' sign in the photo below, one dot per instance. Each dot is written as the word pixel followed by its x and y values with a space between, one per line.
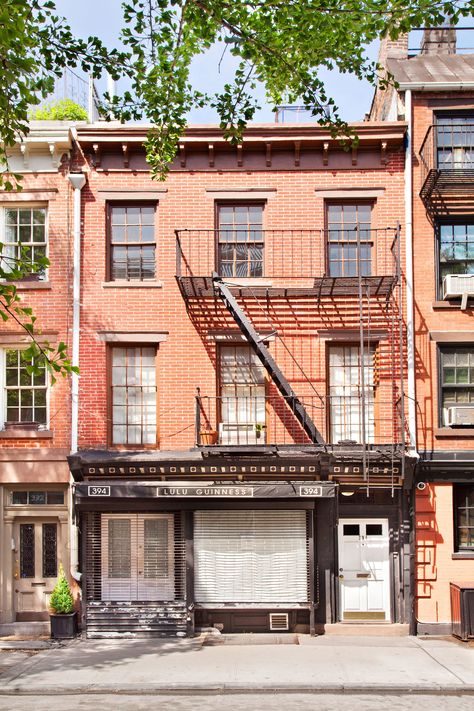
pixel 98 491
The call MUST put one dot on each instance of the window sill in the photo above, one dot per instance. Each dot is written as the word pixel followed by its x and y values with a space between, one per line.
pixel 132 284
pixel 454 432
pixel 26 434
pixel 447 305
pixel 27 285
pixel 465 555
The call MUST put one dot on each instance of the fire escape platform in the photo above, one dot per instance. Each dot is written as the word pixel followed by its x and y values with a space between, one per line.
pixel 448 192
pixel 199 287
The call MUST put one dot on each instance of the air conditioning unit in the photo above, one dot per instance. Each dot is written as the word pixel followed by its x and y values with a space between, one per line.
pixel 457 285
pixel 459 415
pixel 238 433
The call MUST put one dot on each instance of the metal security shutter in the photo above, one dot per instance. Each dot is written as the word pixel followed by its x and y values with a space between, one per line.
pixel 250 556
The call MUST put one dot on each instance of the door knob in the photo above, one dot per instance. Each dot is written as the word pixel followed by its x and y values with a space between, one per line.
pixel 341 577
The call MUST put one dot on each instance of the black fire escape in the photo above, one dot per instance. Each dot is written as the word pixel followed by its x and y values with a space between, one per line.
pixel 447 163
pixel 299 274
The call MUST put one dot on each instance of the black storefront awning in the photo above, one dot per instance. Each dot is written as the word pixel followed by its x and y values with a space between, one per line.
pixel 202 491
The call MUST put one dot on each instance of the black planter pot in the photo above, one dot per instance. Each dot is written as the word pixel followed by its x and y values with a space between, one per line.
pixel 63 626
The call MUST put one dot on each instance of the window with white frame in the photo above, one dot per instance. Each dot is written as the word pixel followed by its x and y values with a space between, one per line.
pixel 24 236
pixel 347 396
pixel 24 393
pixel 457 385
pixel 134 395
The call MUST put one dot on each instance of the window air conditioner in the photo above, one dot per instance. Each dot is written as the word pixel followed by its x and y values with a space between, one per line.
pixel 236 433
pixel 459 415
pixel 455 285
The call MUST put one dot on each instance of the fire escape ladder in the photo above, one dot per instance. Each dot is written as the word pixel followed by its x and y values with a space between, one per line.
pixel 268 362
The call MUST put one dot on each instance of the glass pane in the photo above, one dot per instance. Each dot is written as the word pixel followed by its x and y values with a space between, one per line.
pixel 27 550
pixel 55 497
pixel 19 497
pixel 50 561
pixel 37 498
pixel 155 548
pixel 351 529
pixel 25 217
pixel 119 548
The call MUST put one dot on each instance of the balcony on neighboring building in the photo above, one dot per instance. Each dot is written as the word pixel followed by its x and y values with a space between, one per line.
pixel 447 163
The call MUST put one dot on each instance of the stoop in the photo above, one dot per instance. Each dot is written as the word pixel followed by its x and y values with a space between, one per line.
pixel 367 629
pixel 25 629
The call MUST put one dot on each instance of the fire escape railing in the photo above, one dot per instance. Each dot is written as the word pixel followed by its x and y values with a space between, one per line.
pixel 288 254
pixel 447 150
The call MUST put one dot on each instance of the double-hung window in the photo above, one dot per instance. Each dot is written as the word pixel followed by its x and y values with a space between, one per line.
pixel 349 240
pixel 463 495
pixel 134 396
pixel 24 237
pixel 455 142
pixel 348 397
pixel 132 242
pixel 240 240
pixel 242 390
pixel 457 384
pixel 24 393
pixel 456 249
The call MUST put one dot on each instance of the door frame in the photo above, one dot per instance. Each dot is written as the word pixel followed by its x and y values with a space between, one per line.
pixel 388 593
pixel 137 556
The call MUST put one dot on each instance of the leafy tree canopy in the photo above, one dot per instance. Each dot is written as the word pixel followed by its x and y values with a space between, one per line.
pixel 281 43
pixel 61 110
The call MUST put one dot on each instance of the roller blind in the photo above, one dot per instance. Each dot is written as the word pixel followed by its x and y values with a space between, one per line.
pixel 250 556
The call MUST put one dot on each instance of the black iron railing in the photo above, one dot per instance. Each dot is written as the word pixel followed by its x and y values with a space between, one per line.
pixel 227 421
pixel 288 254
pixel 448 147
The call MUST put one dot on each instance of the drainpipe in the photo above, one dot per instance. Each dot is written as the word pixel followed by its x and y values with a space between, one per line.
pixel 409 277
pixel 77 180
pixel 411 384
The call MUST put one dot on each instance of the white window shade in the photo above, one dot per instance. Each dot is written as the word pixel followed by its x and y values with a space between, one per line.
pixel 250 557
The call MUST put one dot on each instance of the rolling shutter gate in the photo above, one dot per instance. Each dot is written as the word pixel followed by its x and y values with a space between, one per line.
pixel 148 616
pixel 251 557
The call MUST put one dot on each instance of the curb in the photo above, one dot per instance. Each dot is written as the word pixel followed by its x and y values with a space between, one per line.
pixel 243 689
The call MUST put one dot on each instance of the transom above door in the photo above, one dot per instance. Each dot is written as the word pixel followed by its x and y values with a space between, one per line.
pixel 137 557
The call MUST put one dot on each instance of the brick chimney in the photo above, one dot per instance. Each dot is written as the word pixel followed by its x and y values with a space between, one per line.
pixel 393 49
pixel 439 40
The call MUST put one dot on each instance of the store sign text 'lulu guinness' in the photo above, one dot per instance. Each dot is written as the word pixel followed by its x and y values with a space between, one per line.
pixel 205 491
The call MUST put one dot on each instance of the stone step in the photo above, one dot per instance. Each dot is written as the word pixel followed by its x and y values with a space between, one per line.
pixel 25 629
pixel 367 629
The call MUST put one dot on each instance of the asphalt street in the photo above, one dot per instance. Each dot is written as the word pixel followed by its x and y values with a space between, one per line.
pixel 239 702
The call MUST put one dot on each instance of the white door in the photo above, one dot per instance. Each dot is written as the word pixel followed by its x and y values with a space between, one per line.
pixel 364 573
pixel 137 557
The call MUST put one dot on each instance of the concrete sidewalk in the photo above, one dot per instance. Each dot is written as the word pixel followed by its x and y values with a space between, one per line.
pixel 321 664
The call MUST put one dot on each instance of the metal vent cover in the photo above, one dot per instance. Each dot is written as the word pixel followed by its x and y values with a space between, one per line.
pixel 279 622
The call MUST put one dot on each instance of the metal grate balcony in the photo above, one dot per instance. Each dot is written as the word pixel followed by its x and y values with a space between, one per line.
pixel 289 263
pixel 447 164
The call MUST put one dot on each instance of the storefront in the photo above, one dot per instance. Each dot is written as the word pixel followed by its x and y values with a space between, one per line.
pixel 161 559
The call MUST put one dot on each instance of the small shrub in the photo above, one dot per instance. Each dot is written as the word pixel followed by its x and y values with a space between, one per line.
pixel 61 601
pixel 62 110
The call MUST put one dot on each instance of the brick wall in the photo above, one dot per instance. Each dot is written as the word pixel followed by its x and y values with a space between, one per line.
pixel 187 358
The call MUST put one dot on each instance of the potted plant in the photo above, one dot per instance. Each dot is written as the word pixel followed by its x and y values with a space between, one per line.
pixel 62 615
pixel 208 437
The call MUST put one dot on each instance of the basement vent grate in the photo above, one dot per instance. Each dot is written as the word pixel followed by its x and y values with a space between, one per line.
pixel 279 621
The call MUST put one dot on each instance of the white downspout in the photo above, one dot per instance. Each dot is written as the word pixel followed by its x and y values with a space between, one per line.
pixel 77 180
pixel 409 275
